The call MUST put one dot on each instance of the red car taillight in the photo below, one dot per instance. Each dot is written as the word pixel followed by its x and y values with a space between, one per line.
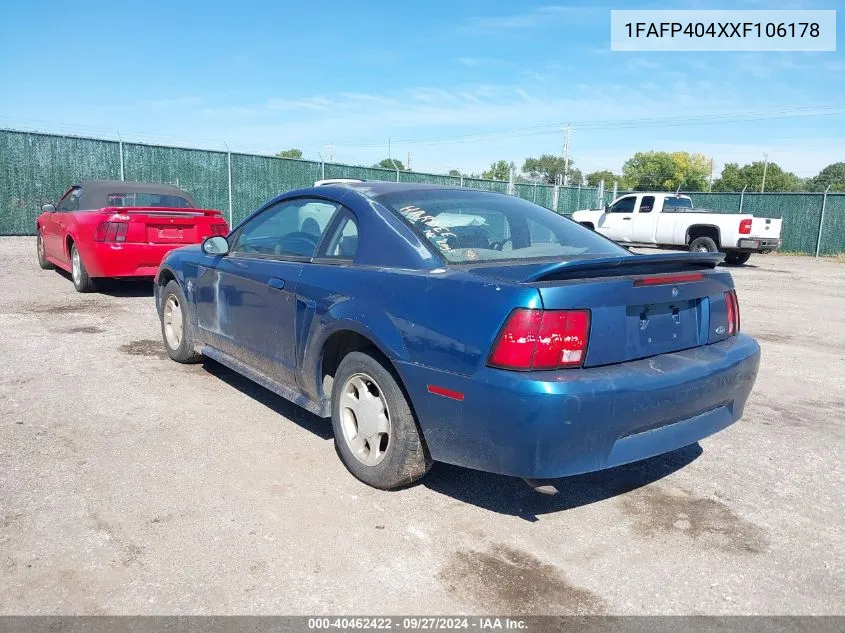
pixel 542 339
pixel 732 307
pixel 112 231
pixel 745 227
pixel 219 229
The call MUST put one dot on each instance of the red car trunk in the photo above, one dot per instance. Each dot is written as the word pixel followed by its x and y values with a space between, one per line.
pixel 160 225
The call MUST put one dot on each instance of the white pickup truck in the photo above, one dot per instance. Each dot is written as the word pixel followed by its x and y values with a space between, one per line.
pixel 668 220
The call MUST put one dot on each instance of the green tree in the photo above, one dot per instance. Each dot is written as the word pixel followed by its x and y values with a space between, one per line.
pixel 454 172
pixel 594 178
pixel 500 170
pixel 833 175
pixel 390 163
pixel 290 153
pixel 547 168
pixel 735 178
pixel 666 171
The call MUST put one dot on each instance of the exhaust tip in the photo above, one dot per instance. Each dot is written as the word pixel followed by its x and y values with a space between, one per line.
pixel 543 487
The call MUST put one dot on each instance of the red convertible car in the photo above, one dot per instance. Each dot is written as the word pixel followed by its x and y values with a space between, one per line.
pixel 113 228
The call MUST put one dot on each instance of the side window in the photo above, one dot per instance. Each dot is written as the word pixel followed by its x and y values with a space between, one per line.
pixel 647 204
pixel 70 202
pixel 625 205
pixel 292 228
pixel 343 243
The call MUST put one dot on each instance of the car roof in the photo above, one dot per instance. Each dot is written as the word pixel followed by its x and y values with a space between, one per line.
pixel 129 186
pixel 378 187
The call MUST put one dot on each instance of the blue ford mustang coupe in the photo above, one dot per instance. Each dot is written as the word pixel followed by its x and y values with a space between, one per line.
pixel 455 325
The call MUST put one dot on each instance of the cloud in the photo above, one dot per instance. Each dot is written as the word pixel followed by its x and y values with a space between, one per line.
pixel 540 16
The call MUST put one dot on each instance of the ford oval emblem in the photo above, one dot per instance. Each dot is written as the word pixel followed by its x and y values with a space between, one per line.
pixel 675 292
pixel 720 330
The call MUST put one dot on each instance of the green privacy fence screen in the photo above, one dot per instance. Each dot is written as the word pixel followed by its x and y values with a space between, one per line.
pixel 36 168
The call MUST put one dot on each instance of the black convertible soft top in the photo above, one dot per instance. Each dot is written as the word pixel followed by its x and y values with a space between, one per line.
pixel 95 193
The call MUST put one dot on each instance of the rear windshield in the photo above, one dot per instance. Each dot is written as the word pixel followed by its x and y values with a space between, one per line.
pixel 676 203
pixel 472 226
pixel 145 199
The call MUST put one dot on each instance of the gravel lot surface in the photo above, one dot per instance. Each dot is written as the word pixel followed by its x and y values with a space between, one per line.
pixel 130 484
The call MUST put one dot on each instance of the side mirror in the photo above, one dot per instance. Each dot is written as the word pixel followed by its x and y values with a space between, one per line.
pixel 48 208
pixel 216 245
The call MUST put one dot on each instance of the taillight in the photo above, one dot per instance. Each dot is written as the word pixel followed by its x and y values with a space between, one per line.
pixel 112 231
pixel 745 227
pixel 732 308
pixel 219 229
pixel 542 339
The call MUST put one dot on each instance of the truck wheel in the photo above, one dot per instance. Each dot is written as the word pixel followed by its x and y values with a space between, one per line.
pixel 736 259
pixel 375 432
pixel 703 245
pixel 588 225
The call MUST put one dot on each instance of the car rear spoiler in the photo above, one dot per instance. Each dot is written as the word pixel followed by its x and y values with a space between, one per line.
pixel 617 266
pixel 182 211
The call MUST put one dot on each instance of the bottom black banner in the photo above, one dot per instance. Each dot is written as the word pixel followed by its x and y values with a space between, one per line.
pixel 284 624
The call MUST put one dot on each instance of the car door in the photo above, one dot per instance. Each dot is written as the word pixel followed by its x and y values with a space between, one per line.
pixel 246 303
pixel 617 220
pixel 644 222
pixel 56 225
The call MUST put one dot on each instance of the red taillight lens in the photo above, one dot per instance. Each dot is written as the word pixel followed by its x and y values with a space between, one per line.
pixel 745 227
pixel 542 339
pixel 219 229
pixel 111 232
pixel 732 308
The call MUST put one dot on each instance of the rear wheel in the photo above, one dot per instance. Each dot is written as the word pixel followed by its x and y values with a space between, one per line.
pixel 176 325
pixel 81 281
pixel 375 432
pixel 42 254
pixel 703 245
pixel 736 259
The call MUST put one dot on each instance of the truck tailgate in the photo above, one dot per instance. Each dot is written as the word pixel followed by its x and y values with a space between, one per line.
pixel 766 227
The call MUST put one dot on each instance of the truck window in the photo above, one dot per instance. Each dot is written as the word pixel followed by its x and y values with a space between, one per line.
pixel 676 204
pixel 647 204
pixel 625 205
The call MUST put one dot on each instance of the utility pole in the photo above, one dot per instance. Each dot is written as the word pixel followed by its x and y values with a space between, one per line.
pixel 568 130
pixel 710 187
pixel 765 166
pixel 331 152
pixel 408 164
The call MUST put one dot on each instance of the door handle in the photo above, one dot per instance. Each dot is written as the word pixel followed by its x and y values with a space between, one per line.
pixel 627 219
pixel 276 283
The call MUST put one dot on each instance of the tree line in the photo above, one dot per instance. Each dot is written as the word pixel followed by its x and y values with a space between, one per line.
pixel 644 171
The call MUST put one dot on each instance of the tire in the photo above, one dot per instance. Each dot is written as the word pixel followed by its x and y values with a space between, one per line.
pixel 397 456
pixel 703 245
pixel 588 225
pixel 176 329
pixel 736 259
pixel 42 256
pixel 81 281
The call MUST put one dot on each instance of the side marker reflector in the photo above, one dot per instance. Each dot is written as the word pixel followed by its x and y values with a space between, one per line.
pixel 446 393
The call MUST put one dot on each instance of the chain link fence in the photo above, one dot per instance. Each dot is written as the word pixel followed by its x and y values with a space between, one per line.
pixel 37 168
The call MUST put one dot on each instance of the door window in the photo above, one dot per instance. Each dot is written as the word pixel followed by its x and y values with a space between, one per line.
pixel 647 204
pixel 625 205
pixel 289 229
pixel 70 201
pixel 343 243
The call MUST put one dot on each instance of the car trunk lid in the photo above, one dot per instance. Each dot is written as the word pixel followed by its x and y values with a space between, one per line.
pixel 166 225
pixel 640 306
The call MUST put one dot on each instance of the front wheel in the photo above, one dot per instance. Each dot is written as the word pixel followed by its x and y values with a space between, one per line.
pixel 81 281
pixel 176 325
pixel 703 245
pixel 736 259
pixel 375 432
pixel 42 254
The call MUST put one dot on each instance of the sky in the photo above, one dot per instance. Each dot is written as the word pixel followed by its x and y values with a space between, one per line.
pixel 457 84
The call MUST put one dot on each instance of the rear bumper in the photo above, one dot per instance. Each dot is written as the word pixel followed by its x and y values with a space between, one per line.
pixel 106 259
pixel 552 424
pixel 757 244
